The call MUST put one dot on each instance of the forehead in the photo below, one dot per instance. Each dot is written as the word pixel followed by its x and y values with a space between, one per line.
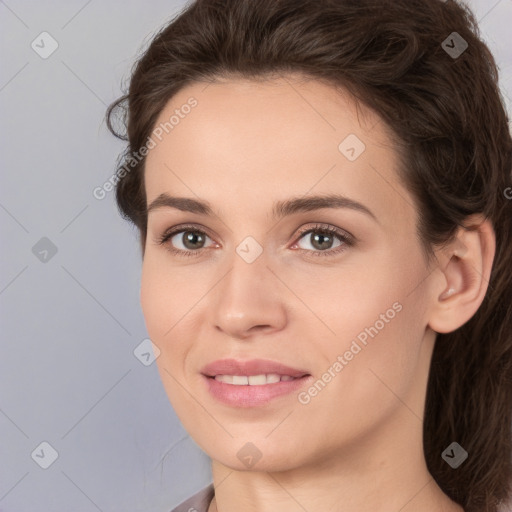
pixel 244 139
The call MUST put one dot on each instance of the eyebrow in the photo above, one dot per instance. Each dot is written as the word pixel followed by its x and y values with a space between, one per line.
pixel 280 209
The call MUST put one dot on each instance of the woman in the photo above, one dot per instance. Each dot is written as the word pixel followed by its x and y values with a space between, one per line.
pixel 321 189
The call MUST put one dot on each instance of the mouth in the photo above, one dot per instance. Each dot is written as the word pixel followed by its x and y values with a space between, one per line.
pixel 254 380
pixel 251 383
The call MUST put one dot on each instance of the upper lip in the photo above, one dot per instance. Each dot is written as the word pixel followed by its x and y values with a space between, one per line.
pixel 250 367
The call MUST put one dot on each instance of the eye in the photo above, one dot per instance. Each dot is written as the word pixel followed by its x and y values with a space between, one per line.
pixel 190 241
pixel 323 239
pixel 184 240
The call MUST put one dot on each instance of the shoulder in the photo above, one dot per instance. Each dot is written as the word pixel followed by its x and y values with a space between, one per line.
pixel 198 502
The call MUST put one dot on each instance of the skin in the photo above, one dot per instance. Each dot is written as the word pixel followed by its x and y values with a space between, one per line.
pixel 357 445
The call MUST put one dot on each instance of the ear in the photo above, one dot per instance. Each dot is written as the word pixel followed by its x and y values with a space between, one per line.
pixel 462 277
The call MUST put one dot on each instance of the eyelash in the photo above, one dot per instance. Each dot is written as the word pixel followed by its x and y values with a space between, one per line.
pixel 346 239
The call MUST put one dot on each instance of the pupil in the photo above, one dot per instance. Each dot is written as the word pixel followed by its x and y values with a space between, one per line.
pixel 191 238
pixel 322 245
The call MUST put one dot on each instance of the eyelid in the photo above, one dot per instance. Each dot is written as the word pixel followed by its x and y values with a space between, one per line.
pixel 341 233
pixel 168 233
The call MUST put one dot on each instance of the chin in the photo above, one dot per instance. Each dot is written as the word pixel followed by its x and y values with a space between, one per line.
pixel 255 455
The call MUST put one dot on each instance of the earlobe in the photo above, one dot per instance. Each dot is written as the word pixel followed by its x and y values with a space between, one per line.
pixel 463 276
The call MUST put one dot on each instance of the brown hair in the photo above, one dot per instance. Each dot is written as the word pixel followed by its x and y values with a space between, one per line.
pixel 447 113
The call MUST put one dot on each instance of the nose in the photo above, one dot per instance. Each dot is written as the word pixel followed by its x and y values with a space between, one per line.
pixel 249 301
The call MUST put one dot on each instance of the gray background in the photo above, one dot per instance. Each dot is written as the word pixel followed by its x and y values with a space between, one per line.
pixel 71 322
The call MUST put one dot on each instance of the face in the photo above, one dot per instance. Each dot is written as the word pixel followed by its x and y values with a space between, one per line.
pixel 262 274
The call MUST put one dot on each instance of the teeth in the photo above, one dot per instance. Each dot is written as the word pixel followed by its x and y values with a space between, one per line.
pixel 228 379
pixel 257 380
pixel 253 380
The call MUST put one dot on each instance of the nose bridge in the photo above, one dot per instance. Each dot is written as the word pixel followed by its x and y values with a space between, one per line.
pixel 247 294
pixel 247 277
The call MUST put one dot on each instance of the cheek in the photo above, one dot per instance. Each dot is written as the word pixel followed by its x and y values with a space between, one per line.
pixel 154 300
pixel 162 307
pixel 349 298
pixel 373 317
pixel 169 299
pixel 358 386
pixel 166 294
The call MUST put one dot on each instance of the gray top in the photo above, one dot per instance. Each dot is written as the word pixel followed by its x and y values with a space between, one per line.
pixel 199 502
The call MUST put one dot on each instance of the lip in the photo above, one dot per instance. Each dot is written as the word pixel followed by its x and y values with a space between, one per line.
pixel 247 395
pixel 251 367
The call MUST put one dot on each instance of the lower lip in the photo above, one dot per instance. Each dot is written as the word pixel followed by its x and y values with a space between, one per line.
pixel 252 396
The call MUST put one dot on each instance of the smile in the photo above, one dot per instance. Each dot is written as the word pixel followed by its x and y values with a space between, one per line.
pixel 253 380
